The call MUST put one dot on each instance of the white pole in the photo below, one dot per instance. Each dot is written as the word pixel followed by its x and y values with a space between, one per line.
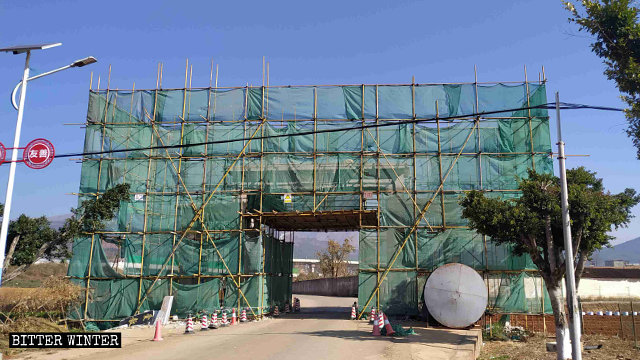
pixel 572 301
pixel 12 167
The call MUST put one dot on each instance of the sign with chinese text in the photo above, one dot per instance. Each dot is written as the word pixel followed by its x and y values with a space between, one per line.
pixel 38 154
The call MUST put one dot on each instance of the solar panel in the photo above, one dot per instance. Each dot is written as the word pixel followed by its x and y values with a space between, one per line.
pixel 24 48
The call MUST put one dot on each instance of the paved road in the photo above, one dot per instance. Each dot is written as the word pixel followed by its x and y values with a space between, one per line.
pixel 321 331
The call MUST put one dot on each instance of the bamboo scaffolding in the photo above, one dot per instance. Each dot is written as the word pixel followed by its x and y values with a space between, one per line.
pixel 251 162
pixel 197 216
pixel 415 225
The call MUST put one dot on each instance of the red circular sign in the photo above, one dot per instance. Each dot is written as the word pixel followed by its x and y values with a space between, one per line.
pixel 3 153
pixel 38 154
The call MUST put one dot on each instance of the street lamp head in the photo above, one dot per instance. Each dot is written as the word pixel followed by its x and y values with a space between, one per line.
pixel 83 62
pixel 19 49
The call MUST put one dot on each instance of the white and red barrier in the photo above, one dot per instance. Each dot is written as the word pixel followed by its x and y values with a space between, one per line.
pixel 189 328
pixel 204 324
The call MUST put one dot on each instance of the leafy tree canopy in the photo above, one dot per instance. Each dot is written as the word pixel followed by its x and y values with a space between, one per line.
pixel 532 224
pixel 333 261
pixel 616 31
pixel 31 239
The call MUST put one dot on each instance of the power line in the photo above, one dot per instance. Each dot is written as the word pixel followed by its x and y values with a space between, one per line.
pixel 563 106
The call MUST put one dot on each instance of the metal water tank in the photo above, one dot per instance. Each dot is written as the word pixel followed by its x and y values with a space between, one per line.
pixel 455 295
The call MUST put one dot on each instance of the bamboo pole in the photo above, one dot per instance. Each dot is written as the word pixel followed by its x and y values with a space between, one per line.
pixel 315 136
pixel 414 194
pixel 264 113
pixel 633 326
pixel 377 292
pixel 146 197
pixel 620 318
pixel 106 110
pixel 360 196
pixel 444 221
pixel 526 83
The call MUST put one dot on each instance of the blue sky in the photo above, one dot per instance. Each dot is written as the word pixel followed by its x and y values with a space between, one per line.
pixel 328 42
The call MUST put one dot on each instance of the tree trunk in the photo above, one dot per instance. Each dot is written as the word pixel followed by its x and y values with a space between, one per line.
pixel 580 267
pixel 563 341
pixel 9 255
pixel 22 268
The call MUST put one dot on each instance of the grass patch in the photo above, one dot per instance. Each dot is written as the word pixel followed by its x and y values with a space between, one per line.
pixel 36 309
pixel 36 275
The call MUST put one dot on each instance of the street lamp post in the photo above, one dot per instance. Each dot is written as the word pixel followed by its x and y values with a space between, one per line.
pixel 16 140
pixel 572 299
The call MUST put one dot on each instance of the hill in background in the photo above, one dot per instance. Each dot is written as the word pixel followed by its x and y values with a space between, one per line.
pixel 308 243
pixel 628 251
pixel 58 220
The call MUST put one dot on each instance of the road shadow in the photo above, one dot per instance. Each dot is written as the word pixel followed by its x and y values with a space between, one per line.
pixel 441 338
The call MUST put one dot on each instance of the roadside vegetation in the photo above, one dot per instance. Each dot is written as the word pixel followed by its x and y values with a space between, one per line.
pixel 333 262
pixel 532 225
pixel 39 297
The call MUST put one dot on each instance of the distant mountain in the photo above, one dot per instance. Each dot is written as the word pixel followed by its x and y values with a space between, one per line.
pixel 58 220
pixel 308 243
pixel 628 250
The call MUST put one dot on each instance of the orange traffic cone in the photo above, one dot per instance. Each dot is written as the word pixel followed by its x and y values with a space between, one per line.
pixel 376 328
pixel 158 335
pixel 387 326
pixel 233 316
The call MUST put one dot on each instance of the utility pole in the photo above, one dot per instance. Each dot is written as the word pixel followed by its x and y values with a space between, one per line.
pixel 572 300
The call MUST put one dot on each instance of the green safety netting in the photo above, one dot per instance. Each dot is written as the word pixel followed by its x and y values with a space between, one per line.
pixel 130 266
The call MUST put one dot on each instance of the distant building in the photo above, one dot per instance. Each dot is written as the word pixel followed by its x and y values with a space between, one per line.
pixel 312 266
pixel 615 263
pixel 590 263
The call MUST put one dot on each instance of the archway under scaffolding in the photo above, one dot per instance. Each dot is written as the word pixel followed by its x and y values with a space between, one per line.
pixel 216 173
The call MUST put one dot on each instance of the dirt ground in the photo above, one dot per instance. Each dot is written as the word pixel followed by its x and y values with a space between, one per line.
pixel 321 331
pixel 535 349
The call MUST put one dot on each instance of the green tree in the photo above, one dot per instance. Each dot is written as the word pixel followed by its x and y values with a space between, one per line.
pixel 614 25
pixel 532 224
pixel 33 239
pixel 333 260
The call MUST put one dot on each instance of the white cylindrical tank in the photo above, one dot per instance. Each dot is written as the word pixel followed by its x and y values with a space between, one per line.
pixel 455 295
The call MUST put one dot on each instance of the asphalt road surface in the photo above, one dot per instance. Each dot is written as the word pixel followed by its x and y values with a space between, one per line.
pixel 321 331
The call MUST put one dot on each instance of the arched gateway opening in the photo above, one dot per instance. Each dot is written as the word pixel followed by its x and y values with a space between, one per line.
pixel 217 174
